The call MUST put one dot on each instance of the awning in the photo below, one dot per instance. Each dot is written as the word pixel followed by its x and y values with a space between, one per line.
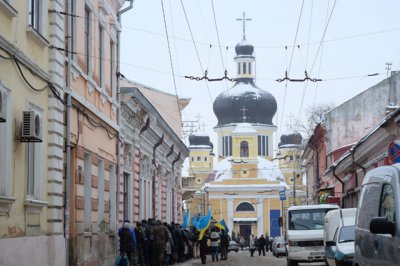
pixel 245 219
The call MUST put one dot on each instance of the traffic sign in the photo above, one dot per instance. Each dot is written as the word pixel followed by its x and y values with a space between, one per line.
pixel 282 195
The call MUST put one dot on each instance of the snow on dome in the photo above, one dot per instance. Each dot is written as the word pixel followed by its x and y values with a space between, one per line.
pixel 266 170
pixel 244 128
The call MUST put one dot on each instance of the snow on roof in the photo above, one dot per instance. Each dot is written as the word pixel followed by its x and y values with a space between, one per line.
pixel 244 128
pixel 266 170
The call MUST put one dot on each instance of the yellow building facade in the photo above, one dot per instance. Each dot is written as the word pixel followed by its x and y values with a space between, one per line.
pixel 246 187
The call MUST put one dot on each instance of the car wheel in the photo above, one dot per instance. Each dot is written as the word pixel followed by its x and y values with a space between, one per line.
pixel 292 263
pixel 237 250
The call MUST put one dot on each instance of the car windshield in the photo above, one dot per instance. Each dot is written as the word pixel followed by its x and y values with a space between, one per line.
pixel 347 234
pixel 307 219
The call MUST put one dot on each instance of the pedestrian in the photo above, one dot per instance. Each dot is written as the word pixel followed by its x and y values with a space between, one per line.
pixel 169 247
pixel 261 245
pixel 271 239
pixel 203 249
pixel 214 237
pixel 127 241
pixel 224 244
pixel 140 242
pixel 160 237
pixel 242 242
pixel 267 242
pixel 252 245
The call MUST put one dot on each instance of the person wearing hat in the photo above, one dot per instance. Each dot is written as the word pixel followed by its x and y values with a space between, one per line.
pixel 140 241
pixel 127 240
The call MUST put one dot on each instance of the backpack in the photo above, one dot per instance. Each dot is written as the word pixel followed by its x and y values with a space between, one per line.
pixel 122 260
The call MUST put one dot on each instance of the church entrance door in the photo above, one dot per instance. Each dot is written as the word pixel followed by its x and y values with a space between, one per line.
pixel 245 230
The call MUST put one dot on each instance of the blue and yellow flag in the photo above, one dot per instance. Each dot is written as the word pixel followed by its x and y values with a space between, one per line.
pixel 222 225
pixel 204 224
pixel 186 220
pixel 193 221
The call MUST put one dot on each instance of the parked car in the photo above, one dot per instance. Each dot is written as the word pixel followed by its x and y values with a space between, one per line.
pixel 339 226
pixel 278 246
pixel 377 232
pixel 233 246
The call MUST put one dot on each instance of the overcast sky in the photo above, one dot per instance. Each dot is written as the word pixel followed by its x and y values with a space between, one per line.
pixel 361 36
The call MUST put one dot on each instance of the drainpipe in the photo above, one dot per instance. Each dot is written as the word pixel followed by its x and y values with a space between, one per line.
pixel 357 164
pixel 119 103
pixel 341 181
pixel 68 133
pixel 159 142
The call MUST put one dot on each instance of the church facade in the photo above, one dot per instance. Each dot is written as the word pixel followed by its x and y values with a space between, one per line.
pixel 244 186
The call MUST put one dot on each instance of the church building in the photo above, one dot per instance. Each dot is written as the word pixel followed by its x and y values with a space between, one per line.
pixel 243 187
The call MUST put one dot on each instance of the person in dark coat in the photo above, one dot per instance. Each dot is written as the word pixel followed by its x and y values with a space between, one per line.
pixel 261 245
pixel 127 240
pixel 267 242
pixel 224 244
pixel 203 249
pixel 140 242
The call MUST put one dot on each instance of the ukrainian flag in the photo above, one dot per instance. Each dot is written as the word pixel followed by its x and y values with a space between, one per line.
pixel 193 221
pixel 222 225
pixel 186 220
pixel 204 224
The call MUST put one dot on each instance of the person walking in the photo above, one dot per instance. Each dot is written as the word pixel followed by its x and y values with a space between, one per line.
pixel 127 241
pixel 242 242
pixel 214 237
pixel 203 249
pixel 267 242
pixel 140 242
pixel 252 245
pixel 224 244
pixel 160 238
pixel 261 245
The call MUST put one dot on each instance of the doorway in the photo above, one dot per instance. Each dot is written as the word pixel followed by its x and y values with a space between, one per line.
pixel 245 231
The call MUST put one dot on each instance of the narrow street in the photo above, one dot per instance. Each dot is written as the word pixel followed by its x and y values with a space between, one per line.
pixel 243 258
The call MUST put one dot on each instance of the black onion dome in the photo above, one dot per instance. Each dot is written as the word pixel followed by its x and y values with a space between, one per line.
pixel 244 48
pixel 260 106
pixel 196 140
pixel 291 138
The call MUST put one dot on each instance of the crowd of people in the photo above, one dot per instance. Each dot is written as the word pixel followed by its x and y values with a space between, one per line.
pixel 262 244
pixel 153 243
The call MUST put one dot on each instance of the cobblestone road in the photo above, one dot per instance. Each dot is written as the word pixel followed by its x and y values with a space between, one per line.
pixel 244 259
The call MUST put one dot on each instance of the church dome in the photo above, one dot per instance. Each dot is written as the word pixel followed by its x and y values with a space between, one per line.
pixel 291 138
pixel 244 48
pixel 200 140
pixel 245 102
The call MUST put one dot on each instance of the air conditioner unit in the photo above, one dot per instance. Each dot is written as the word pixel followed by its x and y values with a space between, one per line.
pixel 31 126
pixel 2 107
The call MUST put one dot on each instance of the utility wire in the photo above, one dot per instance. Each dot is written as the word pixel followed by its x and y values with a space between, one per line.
pixel 170 60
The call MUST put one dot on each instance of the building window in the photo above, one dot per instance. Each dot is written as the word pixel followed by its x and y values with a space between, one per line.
pixel 100 209
pixel 198 158
pixel 101 51
pixel 192 159
pixel 5 143
pixel 262 145
pixel 112 197
pixel 244 68
pixel 244 149
pixel 73 30
pixel 87 212
pixel 226 146
pixel 245 207
pixel 238 68
pixel 34 165
pixel 387 206
pixel 87 38
pixel 112 70
pixel 205 159
pixel 35 13
pixel 250 68
pixel 126 196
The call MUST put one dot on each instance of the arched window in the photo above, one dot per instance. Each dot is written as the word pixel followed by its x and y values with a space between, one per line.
pixel 245 207
pixel 244 149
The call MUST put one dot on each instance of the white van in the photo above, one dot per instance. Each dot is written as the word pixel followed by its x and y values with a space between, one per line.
pixel 377 234
pixel 305 233
pixel 339 236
